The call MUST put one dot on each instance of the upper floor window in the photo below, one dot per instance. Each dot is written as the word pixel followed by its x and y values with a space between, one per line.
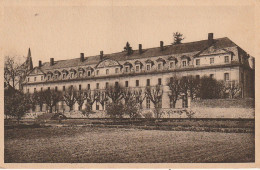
pixel 107 85
pixel 49 77
pixel 171 64
pixel 148 82
pixel 184 63
pixel 126 83
pixel 88 86
pixel 64 88
pixel 107 71
pixel 71 75
pixel 226 76
pixel 159 81
pixel 211 60
pixel 211 75
pixel 97 72
pixel 41 77
pixel 41 88
pixel 197 77
pixel 137 83
pixel 63 76
pixel 148 67
pixel 34 90
pixel 117 70
pixel 116 84
pixel 28 91
pixel 89 73
pixel 80 74
pixel 159 66
pixel 197 62
pixel 127 69
pixel 137 68
pixel 97 86
pixel 56 88
pixel 56 76
pixel 35 78
pixel 80 87
pixel 226 59
pixel 28 79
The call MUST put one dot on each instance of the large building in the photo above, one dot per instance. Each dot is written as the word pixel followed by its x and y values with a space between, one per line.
pixel 219 58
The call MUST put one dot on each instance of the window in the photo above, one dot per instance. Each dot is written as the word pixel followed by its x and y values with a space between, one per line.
pixel 184 63
pixel 126 83
pixel 41 88
pixel 89 73
pixel 197 77
pixel 71 75
pixel 148 67
pixel 49 88
pixel 137 68
pixel 88 86
pixel 80 87
pixel 197 62
pixel 148 82
pixel 56 88
pixel 211 75
pixel 107 71
pixel 28 91
pixel 41 77
pixel 107 84
pixel 211 60
pixel 97 106
pixel 64 76
pixel 64 88
pixel 35 78
pixel 97 86
pixel 148 103
pixel 171 64
pixel 226 59
pixel 226 76
pixel 171 80
pixel 127 69
pixel 137 83
pixel 116 84
pixel 159 81
pixel 28 79
pixel 117 70
pixel 97 72
pixel 56 76
pixel 34 90
pixel 80 74
pixel 159 66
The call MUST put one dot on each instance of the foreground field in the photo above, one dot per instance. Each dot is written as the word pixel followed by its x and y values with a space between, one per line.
pixel 111 145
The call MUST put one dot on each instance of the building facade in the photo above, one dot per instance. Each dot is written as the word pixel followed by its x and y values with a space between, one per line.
pixel 219 58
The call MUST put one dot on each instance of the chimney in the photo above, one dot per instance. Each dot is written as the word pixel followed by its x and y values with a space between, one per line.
pixel 140 49
pixel 101 55
pixel 161 45
pixel 210 38
pixel 40 63
pixel 81 57
pixel 51 61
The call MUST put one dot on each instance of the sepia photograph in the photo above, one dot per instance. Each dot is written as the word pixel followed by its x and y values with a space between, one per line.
pixel 117 82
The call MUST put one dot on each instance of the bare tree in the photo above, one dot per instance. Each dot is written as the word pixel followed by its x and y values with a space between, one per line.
pixel 92 97
pixel 175 90
pixel 38 98
pixel 80 98
pixel 102 98
pixel 51 98
pixel 177 38
pixel 10 71
pixel 115 93
pixel 69 97
pixel 233 88
pixel 155 95
pixel 139 97
pixel 127 95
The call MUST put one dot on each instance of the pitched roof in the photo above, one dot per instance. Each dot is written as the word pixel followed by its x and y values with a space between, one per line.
pixel 189 47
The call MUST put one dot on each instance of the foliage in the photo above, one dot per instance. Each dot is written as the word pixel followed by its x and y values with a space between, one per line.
pixel 38 98
pixel 233 88
pixel 175 90
pixel 155 95
pixel 92 97
pixel 70 97
pixel 131 108
pixel 51 98
pixel 115 93
pixel 88 110
pixel 128 49
pixel 10 71
pixel 148 115
pixel 80 98
pixel 139 97
pixel 16 105
pixel 115 109
pixel 177 38
pixel 210 88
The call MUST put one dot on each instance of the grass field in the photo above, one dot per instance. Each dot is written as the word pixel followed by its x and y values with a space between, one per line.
pixel 111 145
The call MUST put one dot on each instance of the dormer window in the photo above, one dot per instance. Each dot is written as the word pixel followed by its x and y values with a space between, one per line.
pixel 107 71
pixel 80 74
pixel 64 76
pixel 127 69
pixel 184 63
pixel 71 75
pixel 197 62
pixel 49 77
pixel 159 66
pixel 117 70
pixel 148 67
pixel 137 68
pixel 211 60
pixel 97 72
pixel 89 73
pixel 41 77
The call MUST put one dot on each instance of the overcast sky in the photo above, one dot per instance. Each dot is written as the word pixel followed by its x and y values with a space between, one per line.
pixel 65 32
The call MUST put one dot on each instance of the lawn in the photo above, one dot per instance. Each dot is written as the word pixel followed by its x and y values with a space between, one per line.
pixel 112 145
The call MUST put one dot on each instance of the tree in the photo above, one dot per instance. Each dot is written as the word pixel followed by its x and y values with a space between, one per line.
pixel 175 90
pixel 127 95
pixel 177 38
pixel 115 93
pixel 102 98
pixel 51 98
pixel 91 97
pixel 139 97
pixel 16 104
pixel 70 97
pixel 10 71
pixel 155 95
pixel 128 49
pixel 131 108
pixel 80 98
pixel 38 98
pixel 210 88
pixel 233 88
pixel 115 109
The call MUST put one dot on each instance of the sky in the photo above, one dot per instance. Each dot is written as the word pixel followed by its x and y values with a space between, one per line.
pixel 63 32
